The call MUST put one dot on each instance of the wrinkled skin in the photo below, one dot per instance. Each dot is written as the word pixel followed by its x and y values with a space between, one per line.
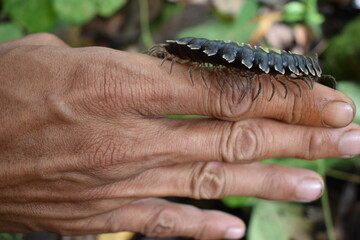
pixel 84 149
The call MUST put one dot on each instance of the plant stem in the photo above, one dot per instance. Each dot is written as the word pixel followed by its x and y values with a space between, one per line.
pixel 343 176
pixel 327 216
pixel 145 23
pixel 326 204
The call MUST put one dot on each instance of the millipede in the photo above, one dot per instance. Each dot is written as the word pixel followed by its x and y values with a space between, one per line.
pixel 242 63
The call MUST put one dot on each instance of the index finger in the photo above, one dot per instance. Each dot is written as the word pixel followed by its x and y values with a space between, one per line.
pixel 173 93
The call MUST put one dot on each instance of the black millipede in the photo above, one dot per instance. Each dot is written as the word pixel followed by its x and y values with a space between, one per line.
pixel 242 63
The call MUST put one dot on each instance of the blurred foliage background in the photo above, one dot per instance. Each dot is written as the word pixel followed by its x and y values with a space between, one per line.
pixel 329 28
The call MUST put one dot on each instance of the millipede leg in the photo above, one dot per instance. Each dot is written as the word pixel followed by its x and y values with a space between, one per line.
pixel 248 87
pixel 243 96
pixel 297 85
pixel 246 84
pixel 218 82
pixel 164 59
pixel 312 81
pixel 259 89
pixel 236 83
pixel 171 65
pixel 220 71
pixel 236 79
pixel 243 82
pixel 202 77
pixel 191 76
pixel 150 51
pixel 226 78
pixel 307 81
pixel 154 50
pixel 273 89
pixel 283 84
pixel 250 84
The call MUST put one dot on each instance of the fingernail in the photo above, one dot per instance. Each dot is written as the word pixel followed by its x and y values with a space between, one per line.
pixel 234 233
pixel 309 189
pixel 349 144
pixel 337 114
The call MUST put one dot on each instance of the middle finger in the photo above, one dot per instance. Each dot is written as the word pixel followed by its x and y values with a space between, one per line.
pixel 198 140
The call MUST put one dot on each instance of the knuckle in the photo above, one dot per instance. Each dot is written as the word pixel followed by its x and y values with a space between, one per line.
pixel 227 104
pixel 208 181
pixel 164 223
pixel 315 142
pixel 240 142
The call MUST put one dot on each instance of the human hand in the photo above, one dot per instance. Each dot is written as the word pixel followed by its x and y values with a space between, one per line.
pixel 83 148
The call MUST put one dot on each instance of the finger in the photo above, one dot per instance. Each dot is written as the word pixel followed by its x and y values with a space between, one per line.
pixel 155 217
pixel 316 107
pixel 198 140
pixel 37 39
pixel 174 141
pixel 214 180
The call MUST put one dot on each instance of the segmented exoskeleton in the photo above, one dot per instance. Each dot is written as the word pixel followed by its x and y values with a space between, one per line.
pixel 235 61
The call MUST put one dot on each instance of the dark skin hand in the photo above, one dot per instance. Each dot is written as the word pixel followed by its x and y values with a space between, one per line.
pixel 83 149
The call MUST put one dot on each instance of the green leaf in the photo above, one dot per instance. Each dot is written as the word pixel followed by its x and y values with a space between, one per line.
pixel 313 18
pixel 212 30
pixel 239 30
pixel 341 58
pixel 312 14
pixel 305 11
pixel 351 89
pixel 33 15
pixel 75 12
pixel 294 12
pixel 278 220
pixel 108 7
pixel 5 236
pixel 247 13
pixel 10 31
pixel 237 202
pixel 168 12
pixel 14 236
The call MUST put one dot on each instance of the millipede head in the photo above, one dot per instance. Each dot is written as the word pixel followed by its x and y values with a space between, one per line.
pixel 328 80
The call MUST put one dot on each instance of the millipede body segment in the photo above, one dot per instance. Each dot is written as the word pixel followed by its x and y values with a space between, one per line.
pixel 247 60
